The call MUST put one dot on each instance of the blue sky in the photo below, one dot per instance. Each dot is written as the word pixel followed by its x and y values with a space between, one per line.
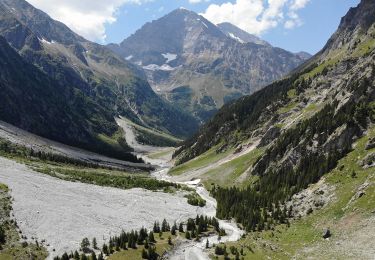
pixel 294 25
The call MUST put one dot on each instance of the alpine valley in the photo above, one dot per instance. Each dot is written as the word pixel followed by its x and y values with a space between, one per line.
pixel 188 140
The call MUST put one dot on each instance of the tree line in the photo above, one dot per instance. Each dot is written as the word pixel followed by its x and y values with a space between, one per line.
pixel 193 228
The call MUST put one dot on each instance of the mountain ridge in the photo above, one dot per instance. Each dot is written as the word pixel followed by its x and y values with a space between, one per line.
pixel 194 65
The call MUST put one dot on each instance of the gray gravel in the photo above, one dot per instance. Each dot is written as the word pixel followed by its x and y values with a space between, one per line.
pixel 64 212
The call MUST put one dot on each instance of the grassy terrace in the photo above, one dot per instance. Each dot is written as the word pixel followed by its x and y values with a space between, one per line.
pixel 161 154
pixel 102 177
pixel 14 246
pixel 211 156
pixel 74 170
pixel 153 137
pixel 344 215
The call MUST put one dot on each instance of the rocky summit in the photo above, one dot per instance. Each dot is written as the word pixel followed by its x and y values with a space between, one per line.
pixel 198 66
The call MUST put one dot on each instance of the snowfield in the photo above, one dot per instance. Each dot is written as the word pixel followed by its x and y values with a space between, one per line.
pixel 64 212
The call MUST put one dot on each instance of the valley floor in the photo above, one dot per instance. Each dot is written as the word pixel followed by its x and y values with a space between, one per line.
pixel 64 212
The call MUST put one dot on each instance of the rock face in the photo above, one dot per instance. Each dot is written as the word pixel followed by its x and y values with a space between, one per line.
pixel 313 198
pixel 115 85
pixel 199 66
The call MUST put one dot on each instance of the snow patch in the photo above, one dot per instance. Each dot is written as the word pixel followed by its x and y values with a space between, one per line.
pixel 155 67
pixel 236 38
pixel 205 25
pixel 45 41
pixel 170 57
pixel 129 57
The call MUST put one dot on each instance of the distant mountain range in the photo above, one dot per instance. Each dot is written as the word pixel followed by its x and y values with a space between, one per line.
pixel 71 88
pixel 198 66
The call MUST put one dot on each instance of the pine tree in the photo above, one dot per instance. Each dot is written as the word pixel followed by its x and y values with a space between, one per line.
pixel 164 226
pixel 151 237
pixel 105 249
pixel 85 244
pixel 101 257
pixel 76 255
pixel 83 257
pixel 181 228
pixel 173 230
pixel 152 255
pixel 144 254
pixel 207 244
pixel 93 256
pixel 65 256
pixel 94 243
pixel 156 228
pixel 187 235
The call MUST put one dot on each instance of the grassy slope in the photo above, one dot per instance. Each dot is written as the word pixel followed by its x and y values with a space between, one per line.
pixel 13 248
pixel 154 137
pixel 303 238
pixel 211 156
pixel 227 174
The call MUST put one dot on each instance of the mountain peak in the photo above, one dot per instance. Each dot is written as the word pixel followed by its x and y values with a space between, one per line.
pixel 357 21
pixel 182 11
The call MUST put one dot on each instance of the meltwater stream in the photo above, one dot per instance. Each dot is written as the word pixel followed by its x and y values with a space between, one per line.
pixel 183 250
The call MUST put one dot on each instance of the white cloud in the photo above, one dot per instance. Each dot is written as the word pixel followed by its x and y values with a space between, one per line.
pixel 294 19
pixel 257 16
pixel 298 4
pixel 197 1
pixel 86 17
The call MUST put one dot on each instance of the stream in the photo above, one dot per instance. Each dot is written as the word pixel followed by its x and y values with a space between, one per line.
pixel 183 250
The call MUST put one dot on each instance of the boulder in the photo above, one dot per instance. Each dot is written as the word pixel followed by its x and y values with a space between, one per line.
pixel 326 233
pixel 368 161
pixel 370 144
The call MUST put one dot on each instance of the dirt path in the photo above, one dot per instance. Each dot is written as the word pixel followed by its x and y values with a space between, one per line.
pixel 63 212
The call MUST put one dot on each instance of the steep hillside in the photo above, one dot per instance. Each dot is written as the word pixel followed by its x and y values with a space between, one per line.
pixel 194 65
pixel 307 126
pixel 117 86
pixel 35 102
